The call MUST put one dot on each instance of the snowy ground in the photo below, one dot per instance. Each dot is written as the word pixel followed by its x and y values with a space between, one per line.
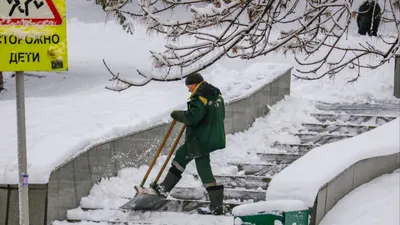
pixel 67 111
pixel 379 199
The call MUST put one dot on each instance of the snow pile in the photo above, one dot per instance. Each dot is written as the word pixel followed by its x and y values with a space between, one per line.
pixel 358 208
pixel 269 207
pixel 303 178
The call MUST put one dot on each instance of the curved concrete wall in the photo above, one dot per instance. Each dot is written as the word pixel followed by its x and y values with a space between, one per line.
pixel 359 173
pixel 73 180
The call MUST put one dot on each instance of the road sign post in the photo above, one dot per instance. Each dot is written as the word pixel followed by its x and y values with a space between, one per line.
pixel 22 161
pixel 33 37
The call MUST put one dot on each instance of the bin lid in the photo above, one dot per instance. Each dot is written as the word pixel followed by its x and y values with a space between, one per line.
pixel 272 206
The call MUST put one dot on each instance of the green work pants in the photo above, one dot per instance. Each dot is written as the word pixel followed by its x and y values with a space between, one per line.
pixel 202 165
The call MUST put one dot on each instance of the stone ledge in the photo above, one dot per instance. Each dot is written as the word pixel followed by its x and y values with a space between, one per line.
pixel 354 176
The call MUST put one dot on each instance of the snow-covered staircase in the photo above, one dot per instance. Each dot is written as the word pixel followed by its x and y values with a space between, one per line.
pixel 251 186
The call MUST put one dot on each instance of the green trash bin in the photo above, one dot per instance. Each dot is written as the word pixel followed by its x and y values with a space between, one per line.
pixel 300 217
pixel 276 212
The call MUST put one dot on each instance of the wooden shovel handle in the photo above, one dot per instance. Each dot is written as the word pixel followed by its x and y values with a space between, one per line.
pixel 158 152
pixel 170 154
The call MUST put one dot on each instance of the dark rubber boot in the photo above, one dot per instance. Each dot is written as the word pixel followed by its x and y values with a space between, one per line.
pixel 216 194
pixel 168 184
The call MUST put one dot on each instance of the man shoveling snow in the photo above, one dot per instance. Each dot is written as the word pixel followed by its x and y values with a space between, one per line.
pixel 205 133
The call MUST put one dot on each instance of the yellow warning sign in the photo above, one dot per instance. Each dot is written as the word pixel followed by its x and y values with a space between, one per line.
pixel 33 35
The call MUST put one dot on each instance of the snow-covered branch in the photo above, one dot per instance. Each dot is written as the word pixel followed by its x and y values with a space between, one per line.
pixel 246 29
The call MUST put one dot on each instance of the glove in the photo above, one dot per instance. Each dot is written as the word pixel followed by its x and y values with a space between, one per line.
pixel 177 115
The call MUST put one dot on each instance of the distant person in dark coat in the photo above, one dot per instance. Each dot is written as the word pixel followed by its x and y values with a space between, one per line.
pixel 368 18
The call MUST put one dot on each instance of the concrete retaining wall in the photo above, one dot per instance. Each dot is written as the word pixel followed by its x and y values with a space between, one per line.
pixel 360 173
pixel 74 179
pixel 9 211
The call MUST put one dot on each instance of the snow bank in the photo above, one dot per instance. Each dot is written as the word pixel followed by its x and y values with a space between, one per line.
pixel 357 208
pixel 303 178
pixel 269 207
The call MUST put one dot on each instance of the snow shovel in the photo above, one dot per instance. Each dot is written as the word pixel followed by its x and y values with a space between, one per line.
pixel 148 198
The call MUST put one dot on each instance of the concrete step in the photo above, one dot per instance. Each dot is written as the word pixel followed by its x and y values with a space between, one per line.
pixel 279 158
pixel 237 195
pixel 259 169
pixel 321 138
pixel 246 182
pixel 127 217
pixel 299 148
pixel 175 205
pixel 353 129
pixel 380 120
pixel 353 118
pixel 184 193
pixel 375 107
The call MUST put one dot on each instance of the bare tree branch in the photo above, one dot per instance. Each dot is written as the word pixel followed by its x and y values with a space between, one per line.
pixel 317 31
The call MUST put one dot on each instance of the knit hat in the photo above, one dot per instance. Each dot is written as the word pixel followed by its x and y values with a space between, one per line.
pixel 193 78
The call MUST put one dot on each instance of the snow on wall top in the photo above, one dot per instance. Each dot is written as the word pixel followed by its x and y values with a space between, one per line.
pixel 303 178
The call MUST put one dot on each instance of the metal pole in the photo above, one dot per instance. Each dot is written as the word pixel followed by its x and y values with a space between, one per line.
pixel 22 161
pixel 397 76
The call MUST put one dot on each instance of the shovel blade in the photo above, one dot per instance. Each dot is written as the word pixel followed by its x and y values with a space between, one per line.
pixel 145 199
